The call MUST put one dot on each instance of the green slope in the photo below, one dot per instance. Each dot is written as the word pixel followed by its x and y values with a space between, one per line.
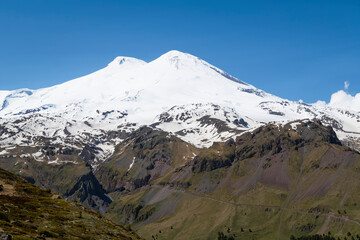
pixel 28 212
pixel 269 184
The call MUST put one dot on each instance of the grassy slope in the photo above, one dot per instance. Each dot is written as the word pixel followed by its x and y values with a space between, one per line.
pixel 28 212
pixel 287 184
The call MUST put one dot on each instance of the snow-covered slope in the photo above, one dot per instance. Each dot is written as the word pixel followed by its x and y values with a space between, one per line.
pixel 176 92
pixel 130 85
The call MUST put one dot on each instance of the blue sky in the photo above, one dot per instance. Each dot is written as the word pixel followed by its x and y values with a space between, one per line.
pixel 293 49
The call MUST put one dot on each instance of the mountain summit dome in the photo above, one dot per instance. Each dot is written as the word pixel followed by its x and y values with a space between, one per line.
pixel 128 61
pixel 179 59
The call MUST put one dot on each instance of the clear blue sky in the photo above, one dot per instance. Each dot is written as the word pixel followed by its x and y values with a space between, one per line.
pixel 295 49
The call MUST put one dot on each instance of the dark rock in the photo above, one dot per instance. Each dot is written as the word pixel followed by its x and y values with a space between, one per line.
pixel 89 192
pixel 4 217
pixel 5 237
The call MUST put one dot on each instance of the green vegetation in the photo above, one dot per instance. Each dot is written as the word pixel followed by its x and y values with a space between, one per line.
pixel 269 184
pixel 325 237
pixel 28 212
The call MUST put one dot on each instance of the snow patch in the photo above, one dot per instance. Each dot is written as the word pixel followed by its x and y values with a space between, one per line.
pixel 294 125
pixel 132 164
pixel 3 152
pixel 37 156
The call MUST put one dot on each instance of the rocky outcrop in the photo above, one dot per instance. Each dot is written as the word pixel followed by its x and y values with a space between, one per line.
pixel 90 193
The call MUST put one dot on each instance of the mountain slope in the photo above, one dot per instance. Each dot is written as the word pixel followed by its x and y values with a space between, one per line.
pixel 28 212
pixel 277 181
pixel 129 93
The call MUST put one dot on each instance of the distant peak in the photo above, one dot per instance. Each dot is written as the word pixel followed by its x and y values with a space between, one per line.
pixel 179 59
pixel 177 54
pixel 119 61
pixel 173 53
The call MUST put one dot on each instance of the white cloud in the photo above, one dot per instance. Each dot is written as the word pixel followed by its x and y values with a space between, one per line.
pixel 345 101
pixel 346 85
pixel 320 103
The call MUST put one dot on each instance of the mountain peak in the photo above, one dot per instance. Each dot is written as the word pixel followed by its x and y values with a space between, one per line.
pixel 179 60
pixel 175 54
pixel 121 61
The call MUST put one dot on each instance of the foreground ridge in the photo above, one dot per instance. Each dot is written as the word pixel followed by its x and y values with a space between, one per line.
pixel 29 212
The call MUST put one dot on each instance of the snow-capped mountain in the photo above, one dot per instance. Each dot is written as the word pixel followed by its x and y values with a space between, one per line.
pixel 177 92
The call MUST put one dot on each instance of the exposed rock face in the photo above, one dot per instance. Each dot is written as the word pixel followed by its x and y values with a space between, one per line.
pixel 5 237
pixel 145 156
pixel 90 193
pixel 211 161
pixel 63 169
